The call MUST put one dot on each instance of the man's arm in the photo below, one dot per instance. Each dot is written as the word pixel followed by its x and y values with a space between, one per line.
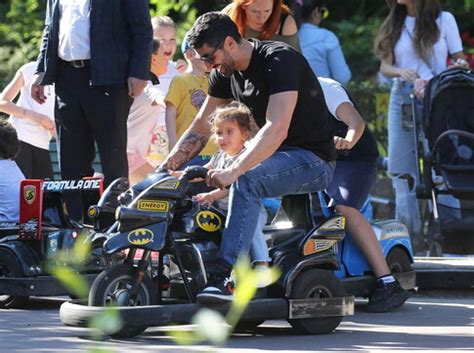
pixel 36 90
pixel 138 18
pixel 265 143
pixel 195 137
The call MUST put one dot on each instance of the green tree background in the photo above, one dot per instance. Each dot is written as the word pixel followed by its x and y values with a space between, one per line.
pixel 354 22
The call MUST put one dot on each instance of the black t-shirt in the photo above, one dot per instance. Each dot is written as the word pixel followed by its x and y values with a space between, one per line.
pixel 276 67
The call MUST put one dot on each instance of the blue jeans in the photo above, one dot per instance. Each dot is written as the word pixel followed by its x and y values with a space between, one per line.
pixel 290 170
pixel 259 249
pixel 401 159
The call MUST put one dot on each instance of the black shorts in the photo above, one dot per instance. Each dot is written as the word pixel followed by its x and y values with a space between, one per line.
pixel 352 183
pixel 34 162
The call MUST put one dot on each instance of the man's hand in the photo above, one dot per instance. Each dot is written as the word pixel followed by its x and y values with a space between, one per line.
pixel 135 86
pixel 220 178
pixel 37 91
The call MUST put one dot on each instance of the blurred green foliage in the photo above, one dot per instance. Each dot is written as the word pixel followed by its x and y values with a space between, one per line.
pixel 21 25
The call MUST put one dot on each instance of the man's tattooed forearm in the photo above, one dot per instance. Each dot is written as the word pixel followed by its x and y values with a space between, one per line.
pixel 185 150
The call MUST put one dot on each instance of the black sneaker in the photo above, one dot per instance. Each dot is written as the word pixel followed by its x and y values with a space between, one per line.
pixel 387 297
pixel 219 289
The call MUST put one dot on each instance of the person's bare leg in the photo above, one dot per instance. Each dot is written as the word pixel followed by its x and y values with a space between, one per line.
pixel 365 238
pixel 140 173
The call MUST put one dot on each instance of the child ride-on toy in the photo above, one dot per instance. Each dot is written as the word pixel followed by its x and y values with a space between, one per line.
pixel 157 215
pixel 28 247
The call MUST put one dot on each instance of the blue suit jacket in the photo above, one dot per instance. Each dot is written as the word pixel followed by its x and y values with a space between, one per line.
pixel 121 41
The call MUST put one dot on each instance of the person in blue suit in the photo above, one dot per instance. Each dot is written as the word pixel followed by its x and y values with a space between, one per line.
pixel 97 53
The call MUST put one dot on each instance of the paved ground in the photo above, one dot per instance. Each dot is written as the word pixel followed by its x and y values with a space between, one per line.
pixel 434 321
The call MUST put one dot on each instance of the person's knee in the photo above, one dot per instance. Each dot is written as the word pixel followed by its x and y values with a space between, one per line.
pixel 247 183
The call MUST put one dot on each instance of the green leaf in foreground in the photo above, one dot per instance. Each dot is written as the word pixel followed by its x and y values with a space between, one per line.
pixel 71 280
pixel 107 321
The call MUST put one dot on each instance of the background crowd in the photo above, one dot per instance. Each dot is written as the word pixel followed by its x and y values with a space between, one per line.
pixel 152 111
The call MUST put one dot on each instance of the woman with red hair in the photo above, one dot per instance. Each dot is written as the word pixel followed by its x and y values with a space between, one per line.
pixel 264 20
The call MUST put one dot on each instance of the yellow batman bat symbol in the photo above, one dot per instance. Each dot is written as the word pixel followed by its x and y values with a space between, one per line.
pixel 141 236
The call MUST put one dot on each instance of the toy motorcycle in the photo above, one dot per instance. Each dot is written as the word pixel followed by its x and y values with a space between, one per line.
pixel 157 215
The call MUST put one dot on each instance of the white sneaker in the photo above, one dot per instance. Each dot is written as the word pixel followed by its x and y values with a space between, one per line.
pixel 264 276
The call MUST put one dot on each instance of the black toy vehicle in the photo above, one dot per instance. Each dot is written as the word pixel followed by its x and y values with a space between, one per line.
pixel 27 247
pixel 157 215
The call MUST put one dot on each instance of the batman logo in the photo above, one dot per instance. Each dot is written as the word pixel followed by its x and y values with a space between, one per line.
pixel 141 236
pixel 208 221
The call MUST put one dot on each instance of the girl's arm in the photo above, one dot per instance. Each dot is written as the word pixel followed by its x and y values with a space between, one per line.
pixel 209 198
pixel 356 126
pixel 170 118
pixel 7 106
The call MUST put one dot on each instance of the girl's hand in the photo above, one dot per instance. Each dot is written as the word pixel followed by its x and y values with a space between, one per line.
pixel 181 65
pixel 46 123
pixel 408 75
pixel 342 144
pixel 205 198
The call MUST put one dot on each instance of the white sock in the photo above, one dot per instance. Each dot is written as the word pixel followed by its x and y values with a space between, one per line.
pixel 387 279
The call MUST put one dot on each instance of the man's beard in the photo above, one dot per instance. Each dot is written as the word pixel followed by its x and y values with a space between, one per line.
pixel 226 70
pixel 228 67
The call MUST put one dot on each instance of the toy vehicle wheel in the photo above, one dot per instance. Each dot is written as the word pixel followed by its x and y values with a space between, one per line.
pixel 316 284
pixel 10 267
pixel 111 288
pixel 398 261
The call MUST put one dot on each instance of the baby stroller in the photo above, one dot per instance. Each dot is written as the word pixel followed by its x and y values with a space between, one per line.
pixel 444 136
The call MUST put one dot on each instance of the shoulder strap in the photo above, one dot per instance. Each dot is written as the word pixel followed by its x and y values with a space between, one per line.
pixel 282 22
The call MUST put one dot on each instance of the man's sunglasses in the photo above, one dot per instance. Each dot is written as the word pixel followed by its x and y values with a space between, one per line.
pixel 209 58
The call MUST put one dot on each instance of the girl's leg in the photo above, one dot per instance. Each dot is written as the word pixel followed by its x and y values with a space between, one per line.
pixel 259 248
pixel 365 238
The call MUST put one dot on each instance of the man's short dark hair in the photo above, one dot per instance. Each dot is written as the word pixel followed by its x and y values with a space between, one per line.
pixel 212 28
pixel 9 144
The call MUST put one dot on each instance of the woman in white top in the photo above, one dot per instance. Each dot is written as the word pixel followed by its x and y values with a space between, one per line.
pixel 413 44
pixel 33 122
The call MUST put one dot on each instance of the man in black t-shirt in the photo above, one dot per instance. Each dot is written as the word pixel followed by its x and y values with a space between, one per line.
pixel 292 153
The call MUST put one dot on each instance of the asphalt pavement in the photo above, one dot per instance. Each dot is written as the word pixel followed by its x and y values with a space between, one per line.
pixel 430 321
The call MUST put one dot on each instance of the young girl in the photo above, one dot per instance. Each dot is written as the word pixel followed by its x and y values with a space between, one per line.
pixel 233 125
pixel 33 122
